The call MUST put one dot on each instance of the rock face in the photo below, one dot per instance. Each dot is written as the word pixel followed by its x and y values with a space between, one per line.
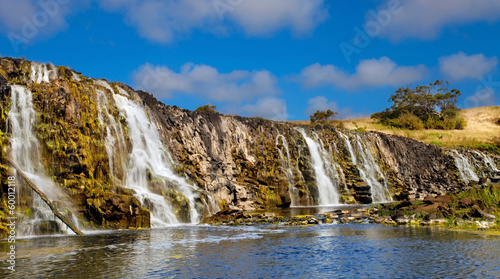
pixel 232 162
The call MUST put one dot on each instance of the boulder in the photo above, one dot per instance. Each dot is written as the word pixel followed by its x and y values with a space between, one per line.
pixel 115 211
pixel 442 200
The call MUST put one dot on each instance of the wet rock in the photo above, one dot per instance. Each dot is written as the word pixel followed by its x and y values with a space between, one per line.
pixel 484 225
pixel 312 221
pixel 466 202
pixel 433 218
pixel 400 218
pixel 444 200
pixel 114 211
pixel 330 215
pixel 225 216
pixel 477 212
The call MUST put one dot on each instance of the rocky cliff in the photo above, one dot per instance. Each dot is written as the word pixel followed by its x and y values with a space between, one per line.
pixel 126 160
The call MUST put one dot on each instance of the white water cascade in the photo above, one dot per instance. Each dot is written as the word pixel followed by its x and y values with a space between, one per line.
pixel 464 167
pixel 149 156
pixel 116 147
pixel 41 73
pixel 488 161
pixel 368 169
pixel 26 155
pixel 287 166
pixel 332 168
pixel 328 194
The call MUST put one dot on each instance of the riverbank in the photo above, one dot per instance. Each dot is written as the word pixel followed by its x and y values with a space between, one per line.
pixel 474 209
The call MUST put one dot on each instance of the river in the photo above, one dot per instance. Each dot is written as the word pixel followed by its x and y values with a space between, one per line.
pixel 323 251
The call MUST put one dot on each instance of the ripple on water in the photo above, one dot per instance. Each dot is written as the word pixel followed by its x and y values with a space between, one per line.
pixel 349 250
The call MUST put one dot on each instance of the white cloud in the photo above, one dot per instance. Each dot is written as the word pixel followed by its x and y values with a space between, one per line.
pixel 165 21
pixel 261 17
pixel 320 103
pixel 424 19
pixel 268 107
pixel 206 82
pixel 462 66
pixel 25 20
pixel 369 73
pixel 483 97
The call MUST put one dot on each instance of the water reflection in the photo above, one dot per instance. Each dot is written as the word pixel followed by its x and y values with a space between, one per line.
pixel 340 250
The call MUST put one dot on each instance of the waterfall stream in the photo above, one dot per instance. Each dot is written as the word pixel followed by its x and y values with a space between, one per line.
pixel 488 161
pixel 149 158
pixel 327 190
pixel 41 73
pixel 369 170
pixel 287 166
pixel 464 167
pixel 26 155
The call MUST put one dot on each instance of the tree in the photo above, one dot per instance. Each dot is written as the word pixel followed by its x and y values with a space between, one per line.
pixel 426 101
pixel 207 107
pixel 322 116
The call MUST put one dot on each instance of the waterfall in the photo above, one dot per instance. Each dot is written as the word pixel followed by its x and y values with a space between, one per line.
pixel 149 159
pixel 116 147
pixel 488 161
pixel 327 190
pixel 287 166
pixel 464 167
pixel 332 168
pixel 26 155
pixel 349 147
pixel 41 73
pixel 368 168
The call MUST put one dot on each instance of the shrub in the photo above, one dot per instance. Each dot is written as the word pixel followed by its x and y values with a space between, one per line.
pixel 431 123
pixel 408 121
pixel 449 123
pixel 460 123
pixel 322 117
pixel 207 108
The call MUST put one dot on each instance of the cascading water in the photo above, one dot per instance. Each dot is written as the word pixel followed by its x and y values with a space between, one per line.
pixel 40 73
pixel 25 154
pixel 116 147
pixel 332 168
pixel 488 161
pixel 149 158
pixel 349 147
pixel 464 167
pixel 328 194
pixel 368 169
pixel 287 166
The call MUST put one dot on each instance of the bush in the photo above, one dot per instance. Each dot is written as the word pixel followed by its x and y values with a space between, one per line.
pixel 431 123
pixel 208 108
pixel 449 123
pixel 460 123
pixel 322 117
pixel 408 121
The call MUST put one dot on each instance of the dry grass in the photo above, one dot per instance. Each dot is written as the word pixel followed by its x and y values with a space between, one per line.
pixel 482 128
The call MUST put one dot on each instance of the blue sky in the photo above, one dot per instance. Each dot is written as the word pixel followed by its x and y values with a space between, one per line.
pixel 279 59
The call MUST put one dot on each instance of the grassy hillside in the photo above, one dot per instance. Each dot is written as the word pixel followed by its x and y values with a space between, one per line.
pixel 482 131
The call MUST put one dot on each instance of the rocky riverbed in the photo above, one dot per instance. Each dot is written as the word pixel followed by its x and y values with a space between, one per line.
pixel 472 209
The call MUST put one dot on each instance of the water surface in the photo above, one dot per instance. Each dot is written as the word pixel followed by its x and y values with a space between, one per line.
pixel 324 251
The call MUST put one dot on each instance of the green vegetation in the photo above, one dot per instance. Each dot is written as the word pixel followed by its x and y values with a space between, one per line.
pixel 207 108
pixel 470 209
pixel 430 106
pixel 320 117
pixel 326 118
